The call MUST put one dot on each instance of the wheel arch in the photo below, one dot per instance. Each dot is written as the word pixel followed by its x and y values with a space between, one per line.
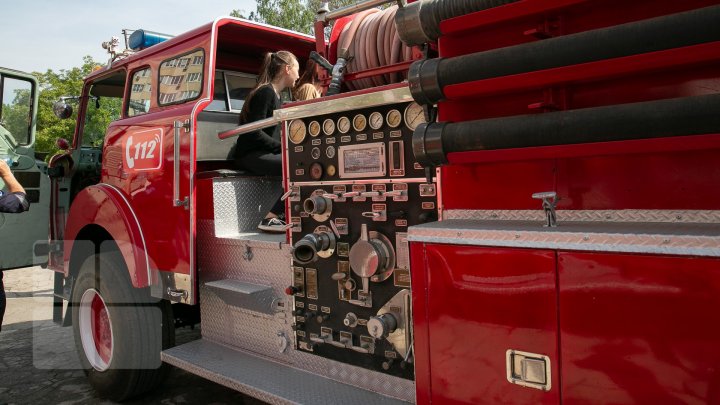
pixel 102 215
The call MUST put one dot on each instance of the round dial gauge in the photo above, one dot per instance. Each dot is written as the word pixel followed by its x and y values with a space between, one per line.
pixel 329 127
pixel 330 152
pixel 393 118
pixel 331 170
pixel 343 125
pixel 315 153
pixel 376 120
pixel 316 171
pixel 314 128
pixel 297 131
pixel 359 122
pixel 414 115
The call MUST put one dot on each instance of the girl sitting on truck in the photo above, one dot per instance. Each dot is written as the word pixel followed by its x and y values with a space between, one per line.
pixel 259 152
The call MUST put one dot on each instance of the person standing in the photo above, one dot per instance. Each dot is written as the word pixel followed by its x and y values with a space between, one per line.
pixel 12 201
pixel 259 151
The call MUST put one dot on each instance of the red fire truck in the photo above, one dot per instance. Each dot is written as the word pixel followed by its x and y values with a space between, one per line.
pixel 493 202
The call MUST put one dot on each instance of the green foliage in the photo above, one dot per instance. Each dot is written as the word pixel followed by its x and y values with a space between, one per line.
pixel 54 85
pixel 16 115
pixel 296 15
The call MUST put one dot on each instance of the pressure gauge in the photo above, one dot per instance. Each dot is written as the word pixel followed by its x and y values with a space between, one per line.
pixel 393 118
pixel 328 127
pixel 343 125
pixel 315 153
pixel 359 122
pixel 316 171
pixel 414 116
pixel 297 131
pixel 331 170
pixel 330 152
pixel 376 120
pixel 314 128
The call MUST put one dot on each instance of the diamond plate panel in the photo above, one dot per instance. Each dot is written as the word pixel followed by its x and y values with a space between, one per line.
pixel 269 381
pixel 221 259
pixel 240 203
pixel 656 238
pixel 674 216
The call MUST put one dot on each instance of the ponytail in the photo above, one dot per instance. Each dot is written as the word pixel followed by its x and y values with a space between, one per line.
pixel 271 66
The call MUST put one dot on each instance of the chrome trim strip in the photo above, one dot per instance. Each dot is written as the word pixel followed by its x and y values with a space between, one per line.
pixel 673 216
pixel 655 238
pixel 349 181
pixel 351 9
pixel 322 107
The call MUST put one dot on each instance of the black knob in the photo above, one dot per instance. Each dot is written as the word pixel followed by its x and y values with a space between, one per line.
pixel 299 312
pixel 387 364
pixel 322 318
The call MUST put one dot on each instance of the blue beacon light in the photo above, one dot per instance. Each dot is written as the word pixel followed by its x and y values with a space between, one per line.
pixel 141 39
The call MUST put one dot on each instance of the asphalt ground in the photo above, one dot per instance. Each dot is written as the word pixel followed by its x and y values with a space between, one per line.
pixel 38 362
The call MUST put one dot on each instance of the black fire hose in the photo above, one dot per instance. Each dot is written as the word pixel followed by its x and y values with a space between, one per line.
pixel 652 119
pixel 428 77
pixel 419 22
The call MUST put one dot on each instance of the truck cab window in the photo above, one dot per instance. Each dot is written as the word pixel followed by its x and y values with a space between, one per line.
pixel 16 109
pixel 140 92
pixel 103 107
pixel 232 88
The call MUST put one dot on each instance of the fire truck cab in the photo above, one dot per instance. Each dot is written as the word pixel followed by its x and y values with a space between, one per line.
pixel 493 202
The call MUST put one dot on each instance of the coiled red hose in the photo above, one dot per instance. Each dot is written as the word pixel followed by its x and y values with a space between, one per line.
pixel 371 41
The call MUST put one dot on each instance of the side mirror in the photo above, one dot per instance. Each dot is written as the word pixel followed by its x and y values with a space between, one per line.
pixel 61 143
pixel 62 110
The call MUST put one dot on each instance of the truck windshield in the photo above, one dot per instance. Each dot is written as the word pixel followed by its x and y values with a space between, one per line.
pixel 16 108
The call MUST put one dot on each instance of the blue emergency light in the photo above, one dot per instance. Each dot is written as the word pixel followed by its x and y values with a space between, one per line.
pixel 141 39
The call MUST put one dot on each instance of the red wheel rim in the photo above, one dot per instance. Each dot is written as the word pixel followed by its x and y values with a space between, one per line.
pixel 95 327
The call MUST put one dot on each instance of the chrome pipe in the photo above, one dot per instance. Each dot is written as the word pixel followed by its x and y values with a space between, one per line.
pixel 251 127
pixel 326 17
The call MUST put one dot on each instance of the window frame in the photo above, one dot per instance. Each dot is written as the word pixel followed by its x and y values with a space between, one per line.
pixel 131 77
pixel 178 57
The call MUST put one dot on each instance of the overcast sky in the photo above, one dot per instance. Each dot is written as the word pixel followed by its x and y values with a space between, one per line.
pixel 36 35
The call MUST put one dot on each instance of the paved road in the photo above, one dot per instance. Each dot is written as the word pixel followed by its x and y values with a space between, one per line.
pixel 38 363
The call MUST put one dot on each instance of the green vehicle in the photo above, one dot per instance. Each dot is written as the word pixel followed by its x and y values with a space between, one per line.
pixel 18 113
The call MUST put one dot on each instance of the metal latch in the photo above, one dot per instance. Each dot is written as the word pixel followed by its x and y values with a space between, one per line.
pixel 528 369
pixel 549 201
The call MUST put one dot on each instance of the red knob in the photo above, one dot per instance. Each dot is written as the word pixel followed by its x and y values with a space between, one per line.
pixel 292 290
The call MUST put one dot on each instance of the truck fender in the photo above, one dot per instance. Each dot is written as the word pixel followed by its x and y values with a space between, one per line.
pixel 106 206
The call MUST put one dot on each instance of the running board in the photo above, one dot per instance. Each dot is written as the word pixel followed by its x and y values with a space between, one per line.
pixel 266 380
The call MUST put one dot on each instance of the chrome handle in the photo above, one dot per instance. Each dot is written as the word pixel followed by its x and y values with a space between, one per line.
pixel 177 202
pixel 330 196
pixel 251 127
pixel 370 194
pixel 285 196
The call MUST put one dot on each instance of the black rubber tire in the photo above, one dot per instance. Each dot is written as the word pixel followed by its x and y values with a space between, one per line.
pixel 142 326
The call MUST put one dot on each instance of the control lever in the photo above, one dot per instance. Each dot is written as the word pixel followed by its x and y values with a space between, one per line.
pixel 372 214
pixel 330 196
pixel 351 194
pixel 394 193
pixel 334 229
pixel 370 194
pixel 290 193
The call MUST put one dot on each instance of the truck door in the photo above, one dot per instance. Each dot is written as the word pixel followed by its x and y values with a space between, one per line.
pixel 18 111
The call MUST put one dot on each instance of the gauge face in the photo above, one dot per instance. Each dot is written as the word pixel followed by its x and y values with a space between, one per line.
pixel 331 170
pixel 394 118
pixel 315 153
pixel 297 131
pixel 330 152
pixel 376 120
pixel 343 124
pixel 314 128
pixel 414 115
pixel 329 127
pixel 316 171
pixel 359 122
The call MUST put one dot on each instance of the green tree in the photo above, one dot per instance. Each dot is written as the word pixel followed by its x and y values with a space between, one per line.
pixel 54 85
pixel 296 15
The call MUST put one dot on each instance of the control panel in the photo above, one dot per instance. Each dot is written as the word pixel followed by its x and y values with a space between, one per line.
pixel 354 191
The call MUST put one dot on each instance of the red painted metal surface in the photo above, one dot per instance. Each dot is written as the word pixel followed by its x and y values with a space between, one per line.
pixel 480 302
pixel 671 173
pixel 421 326
pixel 639 329
pixel 107 207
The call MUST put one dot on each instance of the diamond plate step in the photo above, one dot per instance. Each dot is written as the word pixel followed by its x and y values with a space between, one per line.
pixel 253 297
pixel 264 379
